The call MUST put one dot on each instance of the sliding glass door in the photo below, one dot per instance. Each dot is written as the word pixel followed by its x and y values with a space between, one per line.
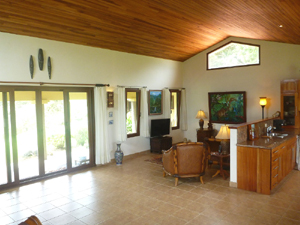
pixel 55 157
pixel 26 126
pixel 3 164
pixel 79 128
pixel 44 131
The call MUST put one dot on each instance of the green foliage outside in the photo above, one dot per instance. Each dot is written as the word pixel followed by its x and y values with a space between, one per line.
pixel 129 123
pixel 30 154
pixel 82 137
pixel 234 54
pixel 57 140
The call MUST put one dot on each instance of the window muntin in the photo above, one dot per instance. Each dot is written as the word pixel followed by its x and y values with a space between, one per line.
pixel 233 54
pixel 132 112
pixel 175 108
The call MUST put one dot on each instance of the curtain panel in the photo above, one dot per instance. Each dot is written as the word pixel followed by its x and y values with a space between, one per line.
pixel 144 128
pixel 102 152
pixel 121 123
pixel 183 111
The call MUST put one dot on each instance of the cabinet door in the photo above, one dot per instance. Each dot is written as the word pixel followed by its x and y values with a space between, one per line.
pixel 289 109
pixel 292 155
pixel 289 86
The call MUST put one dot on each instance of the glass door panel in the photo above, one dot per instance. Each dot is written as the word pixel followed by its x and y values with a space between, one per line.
pixel 25 109
pixel 54 131
pixel 79 128
pixel 289 110
pixel 3 164
pixel 9 148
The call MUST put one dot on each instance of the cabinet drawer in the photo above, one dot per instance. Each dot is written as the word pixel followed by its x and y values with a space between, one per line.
pixel 274 182
pixel 275 161
pixel 275 166
pixel 275 153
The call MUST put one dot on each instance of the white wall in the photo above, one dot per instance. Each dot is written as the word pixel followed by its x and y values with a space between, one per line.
pixel 81 64
pixel 278 61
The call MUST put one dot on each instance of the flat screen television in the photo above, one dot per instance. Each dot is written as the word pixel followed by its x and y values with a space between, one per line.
pixel 160 127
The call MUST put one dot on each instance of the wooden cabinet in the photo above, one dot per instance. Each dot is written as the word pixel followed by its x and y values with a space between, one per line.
pixel 261 170
pixel 204 133
pixel 290 92
pixel 157 144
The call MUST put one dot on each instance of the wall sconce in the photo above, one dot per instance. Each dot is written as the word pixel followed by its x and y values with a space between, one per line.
pixel 201 115
pixel 263 102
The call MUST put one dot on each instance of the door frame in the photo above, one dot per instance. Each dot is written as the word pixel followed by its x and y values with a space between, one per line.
pixel 40 133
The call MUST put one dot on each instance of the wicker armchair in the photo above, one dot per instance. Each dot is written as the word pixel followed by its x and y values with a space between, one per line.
pixel 185 160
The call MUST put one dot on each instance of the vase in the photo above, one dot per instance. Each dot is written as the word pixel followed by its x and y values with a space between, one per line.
pixel 119 155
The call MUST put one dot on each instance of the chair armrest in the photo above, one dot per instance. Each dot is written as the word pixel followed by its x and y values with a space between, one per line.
pixel 168 161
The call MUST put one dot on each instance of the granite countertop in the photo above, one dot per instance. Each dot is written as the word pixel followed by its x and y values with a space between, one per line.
pixel 270 142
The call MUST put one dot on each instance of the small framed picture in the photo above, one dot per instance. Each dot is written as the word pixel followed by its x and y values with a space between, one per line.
pixel 110 114
pixel 155 103
pixel 111 122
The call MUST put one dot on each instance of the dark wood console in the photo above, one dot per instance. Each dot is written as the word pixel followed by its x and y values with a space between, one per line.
pixel 204 133
pixel 157 144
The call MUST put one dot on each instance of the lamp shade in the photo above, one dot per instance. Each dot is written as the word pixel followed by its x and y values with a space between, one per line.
pixel 200 115
pixel 224 133
pixel 263 101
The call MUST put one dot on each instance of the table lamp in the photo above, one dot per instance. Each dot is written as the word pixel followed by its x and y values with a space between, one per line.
pixel 201 115
pixel 224 134
pixel 263 102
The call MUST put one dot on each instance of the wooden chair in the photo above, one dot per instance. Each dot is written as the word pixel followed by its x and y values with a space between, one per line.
pixel 32 220
pixel 185 160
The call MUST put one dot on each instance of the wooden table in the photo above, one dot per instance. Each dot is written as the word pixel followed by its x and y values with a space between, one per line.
pixel 220 158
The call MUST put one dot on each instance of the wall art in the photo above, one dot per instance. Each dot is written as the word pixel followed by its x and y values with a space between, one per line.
pixel 41 59
pixel 227 107
pixel 49 67
pixel 31 66
pixel 155 103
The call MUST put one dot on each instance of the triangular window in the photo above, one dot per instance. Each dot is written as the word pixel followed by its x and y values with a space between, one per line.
pixel 233 54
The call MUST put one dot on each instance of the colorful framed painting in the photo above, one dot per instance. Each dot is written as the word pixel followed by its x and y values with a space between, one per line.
pixel 155 103
pixel 227 107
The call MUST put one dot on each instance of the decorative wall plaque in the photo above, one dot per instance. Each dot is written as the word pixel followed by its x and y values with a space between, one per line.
pixel 41 59
pixel 31 66
pixel 49 67
pixel 110 99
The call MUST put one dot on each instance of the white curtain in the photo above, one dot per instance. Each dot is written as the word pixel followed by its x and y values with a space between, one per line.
pixel 166 103
pixel 183 111
pixel 101 128
pixel 144 114
pixel 121 125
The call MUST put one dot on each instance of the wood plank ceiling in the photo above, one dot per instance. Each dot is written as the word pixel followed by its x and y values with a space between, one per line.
pixel 169 29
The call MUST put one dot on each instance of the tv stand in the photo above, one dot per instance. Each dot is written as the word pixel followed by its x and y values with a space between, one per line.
pixel 160 143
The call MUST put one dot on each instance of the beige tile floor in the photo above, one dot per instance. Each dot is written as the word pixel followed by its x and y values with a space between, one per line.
pixel 137 193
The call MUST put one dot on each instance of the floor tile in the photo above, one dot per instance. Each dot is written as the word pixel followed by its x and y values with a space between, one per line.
pixel 21 214
pixel 81 212
pixel 137 193
pixel 63 219
pixel 6 220
pixel 52 213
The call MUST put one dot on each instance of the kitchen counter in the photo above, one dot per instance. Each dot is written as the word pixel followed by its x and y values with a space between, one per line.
pixel 270 142
pixel 263 163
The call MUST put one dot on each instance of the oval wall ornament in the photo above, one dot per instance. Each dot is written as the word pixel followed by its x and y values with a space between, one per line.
pixel 49 67
pixel 41 59
pixel 31 66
